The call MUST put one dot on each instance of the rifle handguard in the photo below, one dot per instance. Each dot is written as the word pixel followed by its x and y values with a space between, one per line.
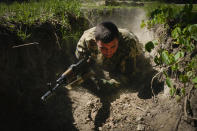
pixel 69 75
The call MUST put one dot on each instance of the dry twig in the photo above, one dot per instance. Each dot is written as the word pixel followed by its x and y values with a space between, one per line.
pixel 34 43
pixel 162 70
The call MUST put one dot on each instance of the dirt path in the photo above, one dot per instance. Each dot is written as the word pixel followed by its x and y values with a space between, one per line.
pixel 126 112
pixel 129 108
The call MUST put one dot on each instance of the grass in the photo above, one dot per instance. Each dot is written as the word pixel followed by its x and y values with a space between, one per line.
pixel 158 5
pixel 29 13
pixel 42 11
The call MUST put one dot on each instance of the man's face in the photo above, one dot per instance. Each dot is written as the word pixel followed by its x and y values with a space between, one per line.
pixel 108 49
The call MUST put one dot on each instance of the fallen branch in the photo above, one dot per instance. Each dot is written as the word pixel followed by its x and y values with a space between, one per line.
pixel 34 43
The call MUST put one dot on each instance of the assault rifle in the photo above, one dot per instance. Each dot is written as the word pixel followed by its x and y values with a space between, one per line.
pixel 70 76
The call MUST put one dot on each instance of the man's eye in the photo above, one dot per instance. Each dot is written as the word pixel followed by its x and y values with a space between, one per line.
pixel 103 48
pixel 113 46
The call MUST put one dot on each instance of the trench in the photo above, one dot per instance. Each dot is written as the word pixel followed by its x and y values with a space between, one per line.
pixel 26 70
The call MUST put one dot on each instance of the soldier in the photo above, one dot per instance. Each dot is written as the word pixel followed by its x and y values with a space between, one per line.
pixel 113 50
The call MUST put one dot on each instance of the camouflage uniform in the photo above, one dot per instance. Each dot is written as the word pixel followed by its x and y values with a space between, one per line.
pixel 124 59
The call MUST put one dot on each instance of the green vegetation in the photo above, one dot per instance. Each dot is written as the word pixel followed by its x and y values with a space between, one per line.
pixel 29 13
pixel 179 60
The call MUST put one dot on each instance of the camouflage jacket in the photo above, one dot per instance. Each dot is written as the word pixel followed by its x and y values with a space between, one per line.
pixel 127 51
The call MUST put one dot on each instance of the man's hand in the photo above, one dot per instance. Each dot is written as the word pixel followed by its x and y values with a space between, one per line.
pixel 109 83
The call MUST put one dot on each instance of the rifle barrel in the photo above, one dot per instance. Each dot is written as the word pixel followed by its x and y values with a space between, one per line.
pixel 50 92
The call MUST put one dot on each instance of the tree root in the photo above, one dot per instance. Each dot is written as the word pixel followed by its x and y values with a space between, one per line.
pixel 178 122
pixel 34 43
pixel 187 99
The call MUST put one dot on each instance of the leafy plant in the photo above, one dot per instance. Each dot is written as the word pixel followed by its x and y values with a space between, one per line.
pixel 184 37
pixel 23 34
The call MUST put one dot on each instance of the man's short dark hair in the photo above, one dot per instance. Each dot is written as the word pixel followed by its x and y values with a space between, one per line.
pixel 106 32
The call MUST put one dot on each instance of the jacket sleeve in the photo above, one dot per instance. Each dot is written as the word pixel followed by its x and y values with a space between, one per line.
pixel 81 48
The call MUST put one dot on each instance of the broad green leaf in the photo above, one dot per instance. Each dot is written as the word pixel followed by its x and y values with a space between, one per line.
pixel 149 46
pixel 193 31
pixel 194 37
pixel 165 57
pixel 172 91
pixel 193 28
pixel 194 80
pixel 189 74
pixel 185 30
pixel 178 55
pixel 176 32
pixel 172 59
pixel 195 86
pixel 182 91
pixel 168 82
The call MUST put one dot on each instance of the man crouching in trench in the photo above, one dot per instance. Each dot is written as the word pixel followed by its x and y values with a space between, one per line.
pixel 113 51
pixel 114 54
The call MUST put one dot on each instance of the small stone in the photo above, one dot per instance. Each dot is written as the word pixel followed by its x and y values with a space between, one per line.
pixel 140 127
pixel 100 128
pixel 161 126
pixel 139 118
pixel 148 114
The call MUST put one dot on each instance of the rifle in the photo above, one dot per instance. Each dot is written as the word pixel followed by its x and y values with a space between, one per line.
pixel 70 76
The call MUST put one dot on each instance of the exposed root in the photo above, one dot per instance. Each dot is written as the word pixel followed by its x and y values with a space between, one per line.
pixel 57 41
pixel 178 122
pixel 34 43
pixel 187 98
pixel 152 84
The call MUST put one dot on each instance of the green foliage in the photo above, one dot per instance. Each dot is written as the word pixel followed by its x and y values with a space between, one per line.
pixel 193 31
pixel 169 82
pixel 194 80
pixel 167 58
pixel 172 91
pixel 23 34
pixel 149 46
pixel 29 13
pixel 32 12
pixel 178 55
pixel 184 37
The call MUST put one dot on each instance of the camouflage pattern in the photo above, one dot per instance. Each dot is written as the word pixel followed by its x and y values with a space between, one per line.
pixel 123 61
pixel 128 49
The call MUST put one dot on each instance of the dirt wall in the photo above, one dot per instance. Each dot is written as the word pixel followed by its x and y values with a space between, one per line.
pixel 26 69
